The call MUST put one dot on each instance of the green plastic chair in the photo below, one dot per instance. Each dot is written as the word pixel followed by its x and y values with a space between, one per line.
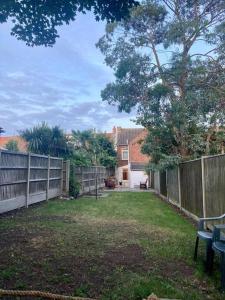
pixel 206 236
pixel 218 245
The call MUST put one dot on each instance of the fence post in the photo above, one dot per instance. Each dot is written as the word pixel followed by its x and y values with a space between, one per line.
pixel 179 185
pixel 82 183
pixel 149 179
pixel 28 180
pixel 67 176
pixel 62 166
pixel 159 183
pixel 96 183
pixel 48 177
pixel 89 179
pixel 167 194
pixel 203 186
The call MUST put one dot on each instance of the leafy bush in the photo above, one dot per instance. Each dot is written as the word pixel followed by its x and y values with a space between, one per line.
pixel 74 186
pixel 12 145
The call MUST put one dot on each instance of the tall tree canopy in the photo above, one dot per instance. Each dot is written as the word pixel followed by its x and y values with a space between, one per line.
pixel 169 63
pixel 91 148
pixel 36 21
pixel 43 139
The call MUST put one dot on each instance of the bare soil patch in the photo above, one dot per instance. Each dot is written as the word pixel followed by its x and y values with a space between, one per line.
pixel 100 254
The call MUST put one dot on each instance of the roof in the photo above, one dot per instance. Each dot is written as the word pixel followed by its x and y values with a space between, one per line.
pixel 109 135
pixel 22 145
pixel 137 166
pixel 125 135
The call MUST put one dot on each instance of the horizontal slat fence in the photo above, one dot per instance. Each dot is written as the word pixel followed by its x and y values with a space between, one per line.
pixel 27 178
pixel 89 177
pixel 197 186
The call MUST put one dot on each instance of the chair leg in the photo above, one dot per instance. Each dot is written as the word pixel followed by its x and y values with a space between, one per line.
pixel 209 257
pixel 223 272
pixel 196 248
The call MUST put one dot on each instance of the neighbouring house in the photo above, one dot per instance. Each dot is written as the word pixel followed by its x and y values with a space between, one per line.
pixel 130 170
pixel 22 144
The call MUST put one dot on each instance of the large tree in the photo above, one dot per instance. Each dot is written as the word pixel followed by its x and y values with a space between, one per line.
pixel 36 21
pixel 169 60
pixel 92 148
pixel 43 139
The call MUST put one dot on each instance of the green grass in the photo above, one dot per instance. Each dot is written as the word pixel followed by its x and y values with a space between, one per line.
pixel 124 246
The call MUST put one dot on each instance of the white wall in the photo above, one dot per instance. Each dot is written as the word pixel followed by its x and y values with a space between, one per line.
pixel 136 177
pixel 119 176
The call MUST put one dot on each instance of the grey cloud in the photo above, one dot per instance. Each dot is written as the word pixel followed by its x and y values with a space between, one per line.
pixel 60 85
pixel 81 116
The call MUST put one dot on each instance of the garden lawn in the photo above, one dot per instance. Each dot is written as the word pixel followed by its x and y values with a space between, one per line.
pixel 123 246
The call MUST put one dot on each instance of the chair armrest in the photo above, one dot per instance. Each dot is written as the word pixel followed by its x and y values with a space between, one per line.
pixel 202 221
pixel 217 232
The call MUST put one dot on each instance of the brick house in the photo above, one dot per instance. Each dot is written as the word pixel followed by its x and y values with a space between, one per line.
pixel 130 170
pixel 22 144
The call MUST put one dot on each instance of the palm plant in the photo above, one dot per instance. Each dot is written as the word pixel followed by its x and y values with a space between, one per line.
pixel 43 139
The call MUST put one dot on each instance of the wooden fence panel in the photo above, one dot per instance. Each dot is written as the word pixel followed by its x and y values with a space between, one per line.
pixel 173 185
pixel 66 176
pixel 202 186
pixel 191 187
pixel 151 180
pixel 88 177
pixel 214 169
pixel 157 181
pixel 163 187
pixel 13 180
pixel 56 177
pixel 28 178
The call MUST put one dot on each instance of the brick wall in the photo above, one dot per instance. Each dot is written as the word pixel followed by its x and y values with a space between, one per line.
pixel 135 154
pixel 119 156
pixel 22 144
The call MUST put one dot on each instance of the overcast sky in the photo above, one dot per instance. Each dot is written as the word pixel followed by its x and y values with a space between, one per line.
pixel 59 85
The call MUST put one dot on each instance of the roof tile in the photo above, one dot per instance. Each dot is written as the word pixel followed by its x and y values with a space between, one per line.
pixel 125 135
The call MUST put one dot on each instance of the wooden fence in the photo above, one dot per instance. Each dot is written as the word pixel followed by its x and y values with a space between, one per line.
pixel 27 178
pixel 89 178
pixel 197 186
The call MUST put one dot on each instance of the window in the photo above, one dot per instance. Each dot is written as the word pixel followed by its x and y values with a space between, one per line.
pixel 125 174
pixel 124 154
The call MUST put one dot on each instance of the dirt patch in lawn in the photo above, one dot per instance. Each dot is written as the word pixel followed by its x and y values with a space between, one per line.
pixel 64 219
pixel 39 264
pixel 19 237
pixel 129 257
pixel 173 269
pixel 67 273
pixel 86 258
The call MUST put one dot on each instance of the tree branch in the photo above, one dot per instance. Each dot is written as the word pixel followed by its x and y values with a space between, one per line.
pixel 169 5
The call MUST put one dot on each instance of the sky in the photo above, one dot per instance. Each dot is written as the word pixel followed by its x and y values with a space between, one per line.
pixel 60 85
